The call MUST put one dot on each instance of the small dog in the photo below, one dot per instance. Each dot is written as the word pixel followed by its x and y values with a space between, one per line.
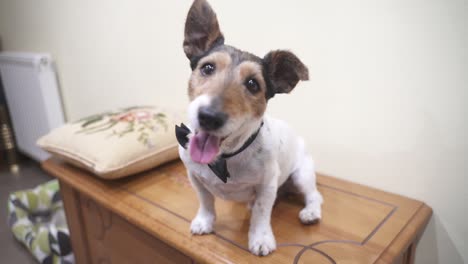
pixel 232 150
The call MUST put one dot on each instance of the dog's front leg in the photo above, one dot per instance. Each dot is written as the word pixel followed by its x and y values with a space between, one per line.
pixel 204 220
pixel 261 239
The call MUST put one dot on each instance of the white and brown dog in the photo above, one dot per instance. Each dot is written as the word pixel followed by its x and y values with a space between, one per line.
pixel 231 149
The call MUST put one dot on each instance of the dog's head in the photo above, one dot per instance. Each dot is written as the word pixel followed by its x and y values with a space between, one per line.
pixel 229 88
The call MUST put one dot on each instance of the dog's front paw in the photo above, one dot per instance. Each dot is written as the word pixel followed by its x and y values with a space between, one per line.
pixel 310 215
pixel 202 225
pixel 262 243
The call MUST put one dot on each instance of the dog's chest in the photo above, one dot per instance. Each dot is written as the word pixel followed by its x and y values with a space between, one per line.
pixel 240 186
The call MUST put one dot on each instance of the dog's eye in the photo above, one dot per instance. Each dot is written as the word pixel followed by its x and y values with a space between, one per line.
pixel 207 69
pixel 252 86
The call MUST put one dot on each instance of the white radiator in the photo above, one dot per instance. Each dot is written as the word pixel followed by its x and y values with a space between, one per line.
pixel 33 98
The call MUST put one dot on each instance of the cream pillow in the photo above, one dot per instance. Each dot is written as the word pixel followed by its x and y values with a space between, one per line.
pixel 118 143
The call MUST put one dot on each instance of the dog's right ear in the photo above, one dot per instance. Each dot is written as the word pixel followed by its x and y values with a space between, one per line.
pixel 201 30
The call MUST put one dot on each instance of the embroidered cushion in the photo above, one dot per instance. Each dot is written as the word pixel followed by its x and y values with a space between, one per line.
pixel 118 143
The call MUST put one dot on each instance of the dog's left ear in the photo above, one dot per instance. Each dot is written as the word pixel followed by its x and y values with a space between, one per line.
pixel 201 30
pixel 284 70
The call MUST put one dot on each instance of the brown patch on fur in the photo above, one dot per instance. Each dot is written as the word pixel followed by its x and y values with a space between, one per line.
pixel 257 102
pixel 226 85
pixel 213 84
pixel 234 103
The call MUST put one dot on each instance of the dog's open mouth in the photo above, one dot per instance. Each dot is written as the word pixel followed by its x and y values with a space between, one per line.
pixel 204 147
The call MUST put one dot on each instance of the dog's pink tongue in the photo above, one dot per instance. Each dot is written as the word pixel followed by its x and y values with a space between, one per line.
pixel 204 147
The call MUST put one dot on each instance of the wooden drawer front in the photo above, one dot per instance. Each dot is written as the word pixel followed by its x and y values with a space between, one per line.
pixel 111 239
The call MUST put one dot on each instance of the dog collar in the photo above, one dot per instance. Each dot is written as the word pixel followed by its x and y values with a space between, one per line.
pixel 219 166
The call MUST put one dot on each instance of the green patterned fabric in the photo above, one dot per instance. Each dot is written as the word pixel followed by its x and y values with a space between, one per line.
pixel 37 219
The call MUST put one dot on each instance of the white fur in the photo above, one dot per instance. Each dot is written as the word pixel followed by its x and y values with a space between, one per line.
pixel 202 100
pixel 256 174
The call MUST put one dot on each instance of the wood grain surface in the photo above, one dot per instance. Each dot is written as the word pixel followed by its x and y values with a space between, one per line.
pixel 359 224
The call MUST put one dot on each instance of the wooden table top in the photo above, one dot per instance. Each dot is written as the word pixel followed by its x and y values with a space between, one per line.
pixel 359 224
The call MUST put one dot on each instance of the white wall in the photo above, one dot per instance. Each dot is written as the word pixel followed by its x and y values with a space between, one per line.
pixel 385 105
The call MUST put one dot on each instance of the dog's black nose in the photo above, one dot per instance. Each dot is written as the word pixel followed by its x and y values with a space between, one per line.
pixel 211 119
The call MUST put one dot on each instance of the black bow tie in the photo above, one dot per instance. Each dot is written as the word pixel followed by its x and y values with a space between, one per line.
pixel 219 166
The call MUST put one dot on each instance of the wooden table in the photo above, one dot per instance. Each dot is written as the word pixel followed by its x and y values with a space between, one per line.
pixel 146 219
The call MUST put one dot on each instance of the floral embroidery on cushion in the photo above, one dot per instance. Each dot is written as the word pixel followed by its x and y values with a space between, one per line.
pixel 139 119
